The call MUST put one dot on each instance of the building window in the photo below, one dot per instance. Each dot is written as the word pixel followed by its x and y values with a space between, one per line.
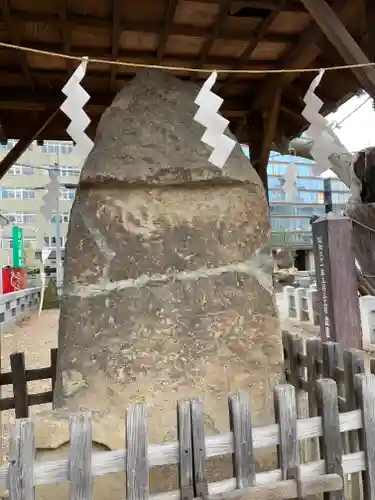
pixel 67 171
pixel 275 182
pixel 276 169
pixel 53 147
pixel 7 243
pixel 288 210
pixel 310 184
pixel 50 241
pixel 277 195
pixel 304 170
pixel 15 170
pixel 291 224
pixel 22 218
pixel 18 193
pixel 66 148
pixel 21 170
pixel 64 217
pixel 67 194
pixel 27 170
pixel 28 194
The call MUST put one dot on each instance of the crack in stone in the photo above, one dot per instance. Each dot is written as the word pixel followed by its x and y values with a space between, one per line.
pixel 251 267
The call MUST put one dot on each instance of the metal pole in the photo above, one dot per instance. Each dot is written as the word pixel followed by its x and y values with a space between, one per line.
pixel 58 244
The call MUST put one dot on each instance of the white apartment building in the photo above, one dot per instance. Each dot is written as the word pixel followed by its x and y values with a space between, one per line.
pixel 21 193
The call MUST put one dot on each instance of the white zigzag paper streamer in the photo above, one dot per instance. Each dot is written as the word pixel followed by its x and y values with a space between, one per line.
pixel 319 131
pixel 76 98
pixel 208 116
pixel 290 184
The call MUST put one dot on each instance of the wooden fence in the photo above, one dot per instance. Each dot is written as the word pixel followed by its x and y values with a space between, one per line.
pixel 306 361
pixel 19 376
pixel 292 479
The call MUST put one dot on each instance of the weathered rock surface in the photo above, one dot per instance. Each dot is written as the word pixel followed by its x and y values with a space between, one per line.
pixel 168 293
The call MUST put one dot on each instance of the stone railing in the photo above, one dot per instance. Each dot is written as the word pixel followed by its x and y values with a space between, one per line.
pixel 16 305
pixel 367 310
pixel 302 304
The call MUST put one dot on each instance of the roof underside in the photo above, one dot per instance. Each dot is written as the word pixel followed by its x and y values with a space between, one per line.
pixel 189 33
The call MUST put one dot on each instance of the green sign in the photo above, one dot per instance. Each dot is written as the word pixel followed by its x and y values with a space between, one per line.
pixel 17 240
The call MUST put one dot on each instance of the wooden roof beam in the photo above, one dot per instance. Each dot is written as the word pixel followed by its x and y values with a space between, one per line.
pixel 16 40
pixel 35 130
pixel 301 56
pixel 252 45
pixel 64 28
pixel 163 38
pixel 115 38
pixel 91 23
pixel 213 34
pixel 342 40
pixel 293 6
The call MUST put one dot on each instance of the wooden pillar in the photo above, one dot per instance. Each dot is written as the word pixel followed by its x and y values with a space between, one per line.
pixel 262 135
pixel 337 281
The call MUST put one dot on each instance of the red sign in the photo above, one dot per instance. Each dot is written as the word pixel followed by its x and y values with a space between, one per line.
pixel 14 279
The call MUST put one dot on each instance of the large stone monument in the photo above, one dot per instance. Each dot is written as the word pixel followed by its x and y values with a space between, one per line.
pixel 168 289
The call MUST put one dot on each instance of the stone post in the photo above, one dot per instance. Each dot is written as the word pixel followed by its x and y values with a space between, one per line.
pixel 168 283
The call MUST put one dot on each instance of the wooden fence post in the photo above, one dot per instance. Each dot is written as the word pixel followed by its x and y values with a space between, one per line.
pixel 337 281
pixel 21 398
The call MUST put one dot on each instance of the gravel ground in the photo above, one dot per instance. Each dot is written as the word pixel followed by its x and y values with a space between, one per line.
pixel 35 337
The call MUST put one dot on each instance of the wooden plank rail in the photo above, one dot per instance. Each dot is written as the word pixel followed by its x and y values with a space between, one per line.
pixel 19 376
pixel 291 480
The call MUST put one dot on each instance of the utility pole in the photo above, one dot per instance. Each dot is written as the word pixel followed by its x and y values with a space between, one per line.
pixel 59 273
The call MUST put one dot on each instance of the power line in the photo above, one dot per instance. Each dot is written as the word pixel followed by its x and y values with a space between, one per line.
pixel 352 112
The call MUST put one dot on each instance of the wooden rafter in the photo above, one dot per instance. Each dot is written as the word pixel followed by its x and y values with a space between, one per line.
pixel 36 129
pixel 115 37
pixel 293 6
pixel 252 45
pixel 170 11
pixel 79 21
pixel 14 36
pixel 342 40
pixel 301 55
pixel 65 31
pixel 213 34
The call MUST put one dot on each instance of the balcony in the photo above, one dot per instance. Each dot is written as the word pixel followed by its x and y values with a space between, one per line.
pixel 286 239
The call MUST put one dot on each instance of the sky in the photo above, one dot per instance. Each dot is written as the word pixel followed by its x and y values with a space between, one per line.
pixel 357 130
